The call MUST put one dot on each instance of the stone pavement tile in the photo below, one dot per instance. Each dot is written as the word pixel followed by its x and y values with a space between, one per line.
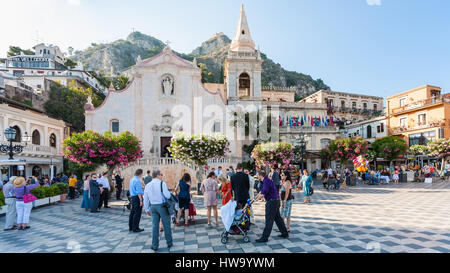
pixel 206 250
pixel 282 250
pixel 134 249
pixel 442 249
pixel 219 248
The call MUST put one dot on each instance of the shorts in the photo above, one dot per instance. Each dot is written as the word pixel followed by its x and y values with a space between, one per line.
pixel 286 211
pixel 184 202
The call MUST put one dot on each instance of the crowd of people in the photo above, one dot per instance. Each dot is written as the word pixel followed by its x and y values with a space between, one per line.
pixel 151 194
pixel 240 185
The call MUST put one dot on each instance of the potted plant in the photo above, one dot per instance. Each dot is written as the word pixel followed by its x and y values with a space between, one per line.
pixel 55 194
pixel 41 195
pixel 63 188
pixel 2 203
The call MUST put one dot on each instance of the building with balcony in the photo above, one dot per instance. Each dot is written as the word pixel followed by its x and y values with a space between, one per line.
pixel 48 63
pixel 41 156
pixel 346 107
pixel 419 115
pixel 370 130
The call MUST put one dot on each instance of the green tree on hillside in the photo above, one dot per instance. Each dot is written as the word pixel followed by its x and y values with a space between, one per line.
pixel 67 103
pixel 207 77
pixel 16 51
pixel 70 64
pixel 121 82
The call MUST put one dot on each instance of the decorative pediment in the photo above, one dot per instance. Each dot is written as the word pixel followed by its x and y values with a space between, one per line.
pixel 166 57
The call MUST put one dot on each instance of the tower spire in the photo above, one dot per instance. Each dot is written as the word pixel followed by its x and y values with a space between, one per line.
pixel 243 40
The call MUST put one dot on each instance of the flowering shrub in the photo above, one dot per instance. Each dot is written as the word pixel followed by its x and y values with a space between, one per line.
pixel 93 149
pixel 390 148
pixel 279 153
pixel 198 149
pixel 418 150
pixel 345 149
pixel 439 148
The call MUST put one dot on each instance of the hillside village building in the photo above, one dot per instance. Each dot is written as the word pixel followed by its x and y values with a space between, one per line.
pixel 48 63
pixel 165 85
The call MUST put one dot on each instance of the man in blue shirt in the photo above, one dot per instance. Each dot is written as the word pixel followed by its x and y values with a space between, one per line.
pixel 136 193
pixel 270 193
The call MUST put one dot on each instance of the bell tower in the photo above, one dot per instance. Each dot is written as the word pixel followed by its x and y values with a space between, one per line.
pixel 243 65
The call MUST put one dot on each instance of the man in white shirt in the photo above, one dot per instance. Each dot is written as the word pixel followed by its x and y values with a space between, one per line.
pixel 153 203
pixel 104 196
pixel 330 171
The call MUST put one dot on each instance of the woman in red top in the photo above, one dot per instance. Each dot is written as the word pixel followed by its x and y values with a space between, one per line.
pixel 225 188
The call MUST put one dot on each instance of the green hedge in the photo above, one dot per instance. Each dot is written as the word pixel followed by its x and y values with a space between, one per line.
pixel 43 192
pixel 2 199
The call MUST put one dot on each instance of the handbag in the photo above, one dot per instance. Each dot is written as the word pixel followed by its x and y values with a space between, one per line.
pixel 312 191
pixel 165 203
pixel 28 198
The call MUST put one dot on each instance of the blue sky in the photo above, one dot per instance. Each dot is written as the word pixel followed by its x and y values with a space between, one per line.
pixel 374 47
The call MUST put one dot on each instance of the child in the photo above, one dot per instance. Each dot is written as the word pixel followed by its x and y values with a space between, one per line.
pixel 192 212
pixel 395 177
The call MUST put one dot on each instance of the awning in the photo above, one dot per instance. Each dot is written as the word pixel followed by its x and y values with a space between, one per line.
pixel 12 163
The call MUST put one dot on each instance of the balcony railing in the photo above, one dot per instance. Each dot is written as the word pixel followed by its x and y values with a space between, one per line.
pixel 36 150
pixel 433 124
pixel 361 111
pixel 419 104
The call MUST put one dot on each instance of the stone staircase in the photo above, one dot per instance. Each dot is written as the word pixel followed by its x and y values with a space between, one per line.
pixel 173 170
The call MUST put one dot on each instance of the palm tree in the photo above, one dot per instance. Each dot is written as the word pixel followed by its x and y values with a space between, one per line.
pixel 121 82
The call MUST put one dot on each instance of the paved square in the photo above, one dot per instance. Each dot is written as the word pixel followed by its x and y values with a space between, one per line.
pixel 413 218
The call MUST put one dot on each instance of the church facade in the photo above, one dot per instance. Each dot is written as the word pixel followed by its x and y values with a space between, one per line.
pixel 166 95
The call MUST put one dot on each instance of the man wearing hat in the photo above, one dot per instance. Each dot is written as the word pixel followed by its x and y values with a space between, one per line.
pixel 10 200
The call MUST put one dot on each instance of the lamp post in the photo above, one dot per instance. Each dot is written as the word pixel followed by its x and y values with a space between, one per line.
pixel 10 135
pixel 300 148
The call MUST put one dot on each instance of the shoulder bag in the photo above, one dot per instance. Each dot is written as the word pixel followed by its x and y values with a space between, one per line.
pixel 165 203
pixel 28 198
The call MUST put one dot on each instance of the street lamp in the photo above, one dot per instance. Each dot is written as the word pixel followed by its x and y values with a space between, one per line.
pixel 300 148
pixel 10 135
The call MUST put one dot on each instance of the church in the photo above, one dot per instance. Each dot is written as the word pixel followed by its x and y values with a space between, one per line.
pixel 166 95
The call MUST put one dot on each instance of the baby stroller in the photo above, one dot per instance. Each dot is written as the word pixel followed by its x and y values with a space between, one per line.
pixel 127 204
pixel 236 220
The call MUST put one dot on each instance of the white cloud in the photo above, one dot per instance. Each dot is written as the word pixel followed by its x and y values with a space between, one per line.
pixel 373 2
pixel 74 2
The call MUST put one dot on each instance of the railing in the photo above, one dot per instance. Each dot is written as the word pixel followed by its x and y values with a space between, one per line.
pixel 309 128
pixel 399 130
pixel 167 161
pixel 34 150
pixel 355 111
pixel 243 55
pixel 419 104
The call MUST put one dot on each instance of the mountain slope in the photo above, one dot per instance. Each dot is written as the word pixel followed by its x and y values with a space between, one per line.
pixel 123 53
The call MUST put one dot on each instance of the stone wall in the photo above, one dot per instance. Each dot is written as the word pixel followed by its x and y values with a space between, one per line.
pixel 21 95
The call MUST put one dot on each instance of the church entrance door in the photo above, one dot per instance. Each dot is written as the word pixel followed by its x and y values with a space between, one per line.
pixel 165 144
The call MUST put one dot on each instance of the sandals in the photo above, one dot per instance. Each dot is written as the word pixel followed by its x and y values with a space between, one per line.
pixel 186 224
